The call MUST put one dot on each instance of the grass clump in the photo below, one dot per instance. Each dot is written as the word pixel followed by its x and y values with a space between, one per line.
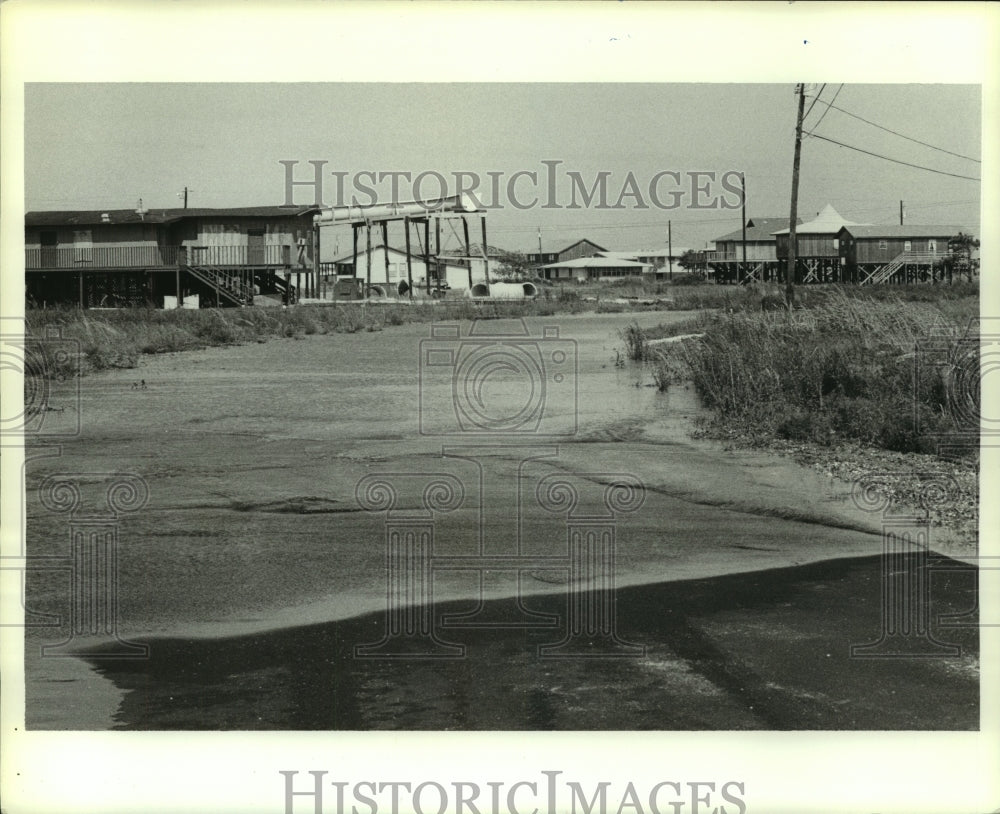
pixel 879 372
pixel 636 343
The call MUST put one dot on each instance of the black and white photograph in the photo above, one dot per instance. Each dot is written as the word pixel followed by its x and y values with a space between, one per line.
pixel 436 433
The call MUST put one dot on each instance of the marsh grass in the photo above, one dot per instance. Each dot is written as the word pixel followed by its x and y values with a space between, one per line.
pixel 636 342
pixel 116 338
pixel 869 370
pixel 846 328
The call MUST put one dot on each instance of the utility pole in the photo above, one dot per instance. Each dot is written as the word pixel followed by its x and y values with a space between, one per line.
pixel 743 188
pixel 409 259
pixel 486 253
pixel 368 259
pixel 541 261
pixel 670 252
pixel 184 195
pixel 793 214
pixel 900 213
pixel 315 251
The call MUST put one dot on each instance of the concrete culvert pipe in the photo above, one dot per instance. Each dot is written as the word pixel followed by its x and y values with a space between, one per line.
pixel 480 290
pixel 530 290
pixel 509 291
pixel 376 291
pixel 402 287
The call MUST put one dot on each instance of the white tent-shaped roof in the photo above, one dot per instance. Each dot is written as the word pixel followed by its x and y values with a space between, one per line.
pixel 827 222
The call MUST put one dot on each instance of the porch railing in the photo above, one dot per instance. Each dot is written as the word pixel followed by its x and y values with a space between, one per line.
pixel 100 257
pixel 238 256
pixel 141 257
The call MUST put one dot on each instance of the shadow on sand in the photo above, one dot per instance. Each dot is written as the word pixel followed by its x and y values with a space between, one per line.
pixel 763 650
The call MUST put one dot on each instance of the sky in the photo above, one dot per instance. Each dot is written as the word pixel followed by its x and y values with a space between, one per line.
pixel 97 146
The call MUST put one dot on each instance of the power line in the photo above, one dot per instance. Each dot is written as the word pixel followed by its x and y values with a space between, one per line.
pixel 896 160
pixel 828 106
pixel 888 130
pixel 814 101
pixel 649 225
pixel 941 203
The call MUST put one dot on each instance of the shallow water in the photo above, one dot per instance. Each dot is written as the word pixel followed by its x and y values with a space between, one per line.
pixel 253 457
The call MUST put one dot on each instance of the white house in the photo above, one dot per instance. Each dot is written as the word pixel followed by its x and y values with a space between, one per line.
pixel 392 278
pixel 658 258
pixel 594 268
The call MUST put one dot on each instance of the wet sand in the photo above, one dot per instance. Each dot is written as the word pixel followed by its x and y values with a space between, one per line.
pixel 741 652
pixel 253 542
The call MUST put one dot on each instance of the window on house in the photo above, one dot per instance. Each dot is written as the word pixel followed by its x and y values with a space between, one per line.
pixel 932 246
pixel 907 246
pixel 883 244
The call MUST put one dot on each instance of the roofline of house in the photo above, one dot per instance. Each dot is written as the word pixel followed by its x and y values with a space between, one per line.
pixel 155 215
pixel 577 243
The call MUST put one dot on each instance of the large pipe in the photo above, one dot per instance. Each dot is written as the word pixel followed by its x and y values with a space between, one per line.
pixel 504 291
pixel 512 291
pixel 391 211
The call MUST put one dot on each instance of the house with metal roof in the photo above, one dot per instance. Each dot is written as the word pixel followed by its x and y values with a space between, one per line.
pixel 159 257
pixel 896 253
pixel 830 248
pixel 755 258
pixel 583 269
pixel 663 260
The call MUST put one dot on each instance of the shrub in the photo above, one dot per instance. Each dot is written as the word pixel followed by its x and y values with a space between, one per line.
pixel 216 330
pixel 692 278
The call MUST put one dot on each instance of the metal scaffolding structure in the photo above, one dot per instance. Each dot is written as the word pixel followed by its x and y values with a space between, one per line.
pixel 411 213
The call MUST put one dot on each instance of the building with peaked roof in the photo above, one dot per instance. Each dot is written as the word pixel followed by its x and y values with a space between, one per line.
pixel 817 254
pixel 827 221
pixel 575 250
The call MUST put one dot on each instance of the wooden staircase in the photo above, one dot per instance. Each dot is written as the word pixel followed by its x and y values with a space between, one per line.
pixel 229 284
pixel 886 272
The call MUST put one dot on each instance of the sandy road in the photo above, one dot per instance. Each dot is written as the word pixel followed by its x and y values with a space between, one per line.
pixel 252 457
